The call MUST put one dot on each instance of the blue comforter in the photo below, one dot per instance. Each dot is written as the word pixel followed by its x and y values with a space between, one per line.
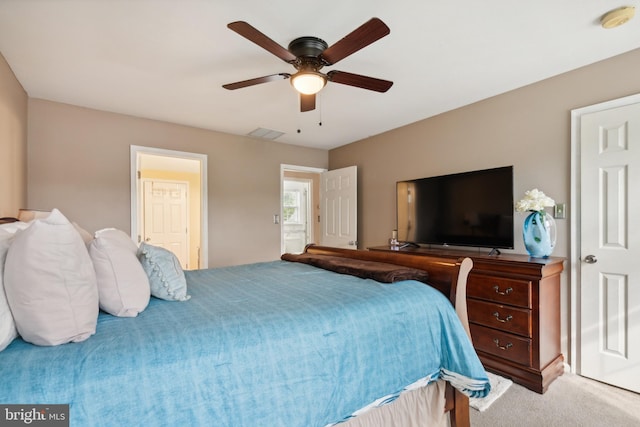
pixel 267 344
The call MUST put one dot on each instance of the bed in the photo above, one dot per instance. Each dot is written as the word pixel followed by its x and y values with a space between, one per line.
pixel 280 343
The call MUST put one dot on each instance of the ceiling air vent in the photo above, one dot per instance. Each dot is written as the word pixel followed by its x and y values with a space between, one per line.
pixel 263 133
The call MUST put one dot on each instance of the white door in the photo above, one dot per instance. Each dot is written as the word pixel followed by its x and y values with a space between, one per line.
pixel 339 208
pixel 296 220
pixel 610 246
pixel 165 217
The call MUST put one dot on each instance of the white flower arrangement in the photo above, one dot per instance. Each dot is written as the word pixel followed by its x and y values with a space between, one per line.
pixel 534 200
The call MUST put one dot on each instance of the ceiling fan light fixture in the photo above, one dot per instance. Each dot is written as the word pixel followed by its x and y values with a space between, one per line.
pixel 308 55
pixel 308 82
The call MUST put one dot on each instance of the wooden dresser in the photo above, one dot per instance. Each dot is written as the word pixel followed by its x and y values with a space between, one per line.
pixel 514 314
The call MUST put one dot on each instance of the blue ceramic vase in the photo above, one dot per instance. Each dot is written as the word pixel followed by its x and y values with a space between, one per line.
pixel 539 234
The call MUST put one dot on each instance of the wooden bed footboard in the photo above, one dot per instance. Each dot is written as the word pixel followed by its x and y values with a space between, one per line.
pixel 447 275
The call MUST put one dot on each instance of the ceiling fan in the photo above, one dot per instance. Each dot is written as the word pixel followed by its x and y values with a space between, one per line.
pixel 309 54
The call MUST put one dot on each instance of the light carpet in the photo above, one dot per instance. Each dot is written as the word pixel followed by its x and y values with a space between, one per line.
pixel 499 385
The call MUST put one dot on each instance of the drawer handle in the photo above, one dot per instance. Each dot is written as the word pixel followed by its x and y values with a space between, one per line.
pixel 502 347
pixel 506 292
pixel 505 320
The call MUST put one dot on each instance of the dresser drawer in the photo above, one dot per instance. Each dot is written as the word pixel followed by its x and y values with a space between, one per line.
pixel 501 344
pixel 500 289
pixel 497 316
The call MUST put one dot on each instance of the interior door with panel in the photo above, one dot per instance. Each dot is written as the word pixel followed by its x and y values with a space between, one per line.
pixel 339 208
pixel 165 217
pixel 610 246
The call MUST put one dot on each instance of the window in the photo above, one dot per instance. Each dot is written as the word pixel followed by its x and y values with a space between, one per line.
pixel 291 207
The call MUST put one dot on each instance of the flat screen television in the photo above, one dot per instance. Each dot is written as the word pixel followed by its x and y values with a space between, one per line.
pixel 463 209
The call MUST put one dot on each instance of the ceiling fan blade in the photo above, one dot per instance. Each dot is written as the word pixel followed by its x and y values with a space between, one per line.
pixel 372 30
pixel 252 34
pixel 256 81
pixel 357 80
pixel 307 102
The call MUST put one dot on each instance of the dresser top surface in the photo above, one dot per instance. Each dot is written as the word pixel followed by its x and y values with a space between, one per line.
pixel 474 255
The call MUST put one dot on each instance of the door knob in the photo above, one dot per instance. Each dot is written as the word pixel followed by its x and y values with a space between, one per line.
pixel 590 259
pixel 148 239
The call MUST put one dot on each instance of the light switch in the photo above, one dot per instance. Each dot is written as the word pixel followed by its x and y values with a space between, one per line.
pixel 559 211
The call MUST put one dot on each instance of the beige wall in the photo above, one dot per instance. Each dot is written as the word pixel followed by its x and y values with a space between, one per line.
pixel 13 142
pixel 78 161
pixel 528 128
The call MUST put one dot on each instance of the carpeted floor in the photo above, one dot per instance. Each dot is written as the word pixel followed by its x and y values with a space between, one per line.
pixel 571 401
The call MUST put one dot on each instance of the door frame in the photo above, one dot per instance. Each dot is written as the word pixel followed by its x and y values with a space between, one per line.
pixel 293 168
pixel 574 218
pixel 135 152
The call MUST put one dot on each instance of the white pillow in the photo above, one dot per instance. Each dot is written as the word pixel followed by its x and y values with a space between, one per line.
pixel 122 283
pixel 50 283
pixel 8 330
pixel 13 227
pixel 165 273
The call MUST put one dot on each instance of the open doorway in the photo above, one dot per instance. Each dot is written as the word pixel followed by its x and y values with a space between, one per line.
pixel 300 207
pixel 297 220
pixel 332 214
pixel 169 204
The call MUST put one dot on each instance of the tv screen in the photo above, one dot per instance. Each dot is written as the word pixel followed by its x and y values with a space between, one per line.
pixel 464 209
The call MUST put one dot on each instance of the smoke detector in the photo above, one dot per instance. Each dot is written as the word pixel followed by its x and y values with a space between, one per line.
pixel 617 17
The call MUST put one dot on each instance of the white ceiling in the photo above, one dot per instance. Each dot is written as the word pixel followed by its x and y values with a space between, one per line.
pixel 168 59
